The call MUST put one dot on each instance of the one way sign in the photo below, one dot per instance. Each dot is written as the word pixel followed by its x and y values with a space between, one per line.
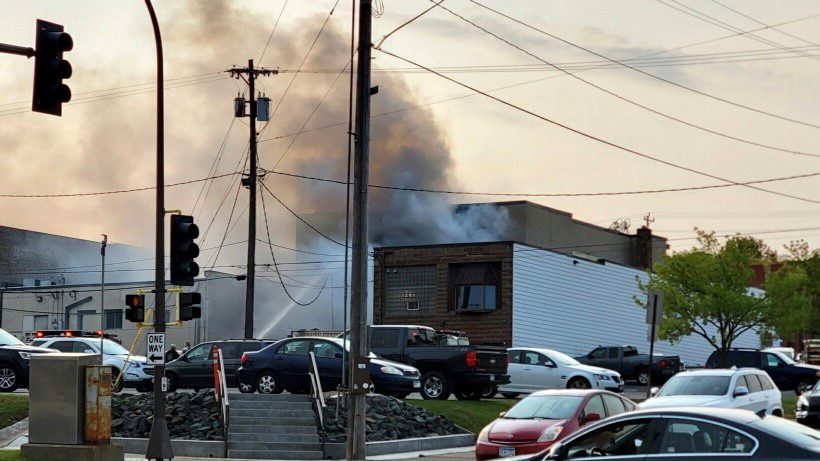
pixel 156 348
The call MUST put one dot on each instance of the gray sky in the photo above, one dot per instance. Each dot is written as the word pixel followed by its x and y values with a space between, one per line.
pixel 105 139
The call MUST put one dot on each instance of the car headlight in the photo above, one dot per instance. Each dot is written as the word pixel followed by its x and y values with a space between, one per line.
pixel 802 403
pixel 484 435
pixel 550 434
pixel 391 371
pixel 24 355
pixel 602 377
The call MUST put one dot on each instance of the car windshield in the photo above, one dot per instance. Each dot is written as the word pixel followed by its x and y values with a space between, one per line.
pixel 563 359
pixel 347 347
pixel 791 431
pixel 7 339
pixel 784 357
pixel 544 407
pixel 696 385
pixel 112 348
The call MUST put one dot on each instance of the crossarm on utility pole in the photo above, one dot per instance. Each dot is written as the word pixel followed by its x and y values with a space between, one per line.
pixel 14 49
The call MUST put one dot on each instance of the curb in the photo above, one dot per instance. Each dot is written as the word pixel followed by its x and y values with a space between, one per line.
pixel 11 433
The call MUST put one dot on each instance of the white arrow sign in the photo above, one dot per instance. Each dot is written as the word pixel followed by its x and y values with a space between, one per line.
pixel 156 348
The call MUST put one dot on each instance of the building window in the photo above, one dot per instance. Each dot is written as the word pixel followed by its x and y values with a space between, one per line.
pixel 409 288
pixel 113 318
pixel 475 287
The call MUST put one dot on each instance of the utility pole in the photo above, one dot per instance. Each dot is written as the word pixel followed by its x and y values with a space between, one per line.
pixel 359 376
pixel 159 441
pixel 102 295
pixel 250 182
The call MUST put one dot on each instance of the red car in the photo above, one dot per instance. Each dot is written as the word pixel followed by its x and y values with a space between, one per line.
pixel 542 418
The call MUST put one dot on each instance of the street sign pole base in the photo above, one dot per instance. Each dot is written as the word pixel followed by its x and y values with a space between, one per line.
pixel 159 443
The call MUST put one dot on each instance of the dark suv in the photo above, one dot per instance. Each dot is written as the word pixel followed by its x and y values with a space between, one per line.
pixel 787 374
pixel 194 369
pixel 14 356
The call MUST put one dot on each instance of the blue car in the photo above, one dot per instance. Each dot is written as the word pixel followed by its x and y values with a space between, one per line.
pixel 285 364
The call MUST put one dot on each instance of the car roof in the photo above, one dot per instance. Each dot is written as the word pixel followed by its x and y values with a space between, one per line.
pixel 403 326
pixel 533 349
pixel 570 392
pixel 734 415
pixel 716 371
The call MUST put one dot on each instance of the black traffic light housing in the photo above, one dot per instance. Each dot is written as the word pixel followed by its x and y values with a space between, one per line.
pixel 135 308
pixel 183 250
pixel 188 308
pixel 50 68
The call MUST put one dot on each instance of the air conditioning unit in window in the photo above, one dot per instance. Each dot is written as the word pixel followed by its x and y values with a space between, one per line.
pixel 412 305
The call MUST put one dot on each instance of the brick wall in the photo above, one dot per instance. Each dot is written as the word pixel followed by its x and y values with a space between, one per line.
pixel 482 328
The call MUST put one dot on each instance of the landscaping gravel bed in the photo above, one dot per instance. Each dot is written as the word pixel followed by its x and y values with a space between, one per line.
pixel 190 415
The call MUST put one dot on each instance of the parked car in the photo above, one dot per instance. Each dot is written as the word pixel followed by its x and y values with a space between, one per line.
pixel 631 364
pixel 787 351
pixel 691 434
pixel 285 365
pixel 743 388
pixel 14 357
pixel 468 371
pixel 787 374
pixel 194 369
pixel 807 410
pixel 543 418
pixel 533 369
pixel 138 374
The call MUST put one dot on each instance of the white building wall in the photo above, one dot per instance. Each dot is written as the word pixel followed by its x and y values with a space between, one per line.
pixel 573 308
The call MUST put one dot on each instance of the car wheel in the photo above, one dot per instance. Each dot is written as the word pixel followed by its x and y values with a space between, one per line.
pixel 510 395
pixel 9 380
pixel 643 377
pixel 246 388
pixel 777 412
pixel 803 387
pixel 435 386
pixel 469 395
pixel 117 382
pixel 173 381
pixel 578 383
pixel 268 383
pixel 490 392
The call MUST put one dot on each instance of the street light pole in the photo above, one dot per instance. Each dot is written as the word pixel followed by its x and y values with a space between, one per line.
pixel 159 442
pixel 102 296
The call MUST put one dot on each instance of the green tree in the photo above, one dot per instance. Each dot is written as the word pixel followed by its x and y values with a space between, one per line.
pixel 794 292
pixel 708 286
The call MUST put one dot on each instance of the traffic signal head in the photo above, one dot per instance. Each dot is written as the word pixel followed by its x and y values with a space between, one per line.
pixel 183 250
pixel 50 68
pixel 188 309
pixel 135 308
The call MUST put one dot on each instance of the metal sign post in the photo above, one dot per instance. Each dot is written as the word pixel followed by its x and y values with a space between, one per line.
pixel 654 312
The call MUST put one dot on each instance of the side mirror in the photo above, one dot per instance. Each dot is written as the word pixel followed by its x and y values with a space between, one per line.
pixel 654 391
pixel 501 415
pixel 591 417
pixel 741 391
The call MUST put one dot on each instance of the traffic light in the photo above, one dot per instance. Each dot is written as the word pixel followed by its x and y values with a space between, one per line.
pixel 135 308
pixel 188 309
pixel 50 68
pixel 183 250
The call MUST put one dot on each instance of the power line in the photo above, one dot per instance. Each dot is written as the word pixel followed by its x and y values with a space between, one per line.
pixel 112 192
pixel 273 31
pixel 763 24
pixel 621 97
pixel 554 194
pixel 598 139
pixel 406 23
pixel 206 188
pixel 311 226
pixel 671 82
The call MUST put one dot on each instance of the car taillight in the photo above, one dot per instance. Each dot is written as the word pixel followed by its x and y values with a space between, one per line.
pixel 662 363
pixel 471 359
pixel 244 358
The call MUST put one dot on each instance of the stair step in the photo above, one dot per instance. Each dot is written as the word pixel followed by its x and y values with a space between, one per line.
pixel 283 437
pixel 260 421
pixel 272 414
pixel 272 429
pixel 270 405
pixel 274 446
pixel 269 398
pixel 267 454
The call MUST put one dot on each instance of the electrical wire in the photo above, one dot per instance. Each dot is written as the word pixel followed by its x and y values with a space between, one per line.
pixel 653 76
pixel 619 96
pixel 763 24
pixel 116 191
pixel 596 138
pixel 311 226
pixel 206 188
pixel 272 32
pixel 406 23
pixel 276 266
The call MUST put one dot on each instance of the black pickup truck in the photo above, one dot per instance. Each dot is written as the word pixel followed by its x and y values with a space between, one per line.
pixel 631 365
pixel 467 371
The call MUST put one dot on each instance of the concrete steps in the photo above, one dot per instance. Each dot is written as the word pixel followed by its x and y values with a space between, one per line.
pixel 282 426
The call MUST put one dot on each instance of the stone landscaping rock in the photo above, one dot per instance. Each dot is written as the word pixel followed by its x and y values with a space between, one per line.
pixel 190 415
pixel 388 419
